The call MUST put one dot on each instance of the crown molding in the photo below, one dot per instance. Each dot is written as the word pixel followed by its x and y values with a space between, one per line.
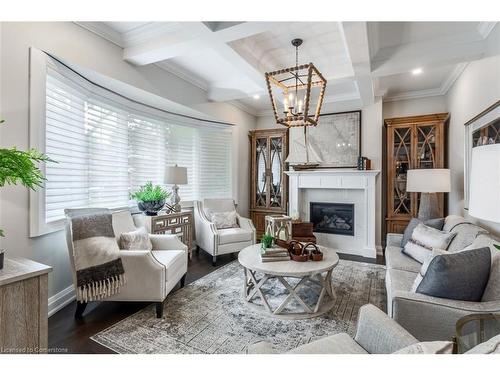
pixel 438 91
pixel 147 32
pixel 183 74
pixel 485 28
pixel 103 31
pixel 244 107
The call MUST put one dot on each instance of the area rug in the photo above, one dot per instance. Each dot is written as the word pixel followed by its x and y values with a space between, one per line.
pixel 210 315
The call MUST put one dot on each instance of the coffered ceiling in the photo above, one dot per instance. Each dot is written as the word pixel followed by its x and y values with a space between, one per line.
pixel 360 60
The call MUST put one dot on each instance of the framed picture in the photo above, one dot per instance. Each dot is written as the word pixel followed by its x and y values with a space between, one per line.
pixel 481 130
pixel 334 143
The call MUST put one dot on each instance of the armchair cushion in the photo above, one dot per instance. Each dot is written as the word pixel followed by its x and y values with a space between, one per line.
pixel 122 223
pixel 223 220
pixel 232 235
pixel 135 240
pixel 218 205
pixel 340 343
pixel 175 262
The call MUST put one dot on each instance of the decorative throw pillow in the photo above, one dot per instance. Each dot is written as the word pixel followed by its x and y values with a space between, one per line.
pixel 424 239
pixel 425 266
pixel 433 223
pixel 136 240
pixel 460 276
pixel 224 220
pixel 492 290
pixel 429 347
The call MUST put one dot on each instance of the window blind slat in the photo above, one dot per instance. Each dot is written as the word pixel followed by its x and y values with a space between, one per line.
pixel 104 150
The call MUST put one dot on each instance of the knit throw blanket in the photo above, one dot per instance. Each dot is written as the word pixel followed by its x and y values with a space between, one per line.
pixel 99 269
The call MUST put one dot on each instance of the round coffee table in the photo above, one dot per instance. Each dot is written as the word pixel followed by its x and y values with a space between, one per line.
pixel 318 273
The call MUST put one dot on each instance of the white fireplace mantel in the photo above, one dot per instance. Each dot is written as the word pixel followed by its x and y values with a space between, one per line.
pixel 347 179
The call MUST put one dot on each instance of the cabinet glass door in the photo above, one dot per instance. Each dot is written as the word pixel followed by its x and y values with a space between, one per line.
pixel 402 162
pixel 261 172
pixel 276 187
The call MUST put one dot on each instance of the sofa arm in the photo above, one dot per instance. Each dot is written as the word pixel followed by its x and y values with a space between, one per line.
pixel 394 239
pixel 246 223
pixel 379 334
pixel 261 347
pixel 167 242
pixel 431 318
pixel 144 277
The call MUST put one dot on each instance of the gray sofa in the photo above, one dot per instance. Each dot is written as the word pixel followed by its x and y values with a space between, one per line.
pixel 425 317
pixel 376 333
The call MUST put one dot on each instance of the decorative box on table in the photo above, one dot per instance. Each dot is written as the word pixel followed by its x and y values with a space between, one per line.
pixel 303 231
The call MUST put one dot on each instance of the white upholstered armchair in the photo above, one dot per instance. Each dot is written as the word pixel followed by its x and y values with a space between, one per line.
pixel 221 241
pixel 150 275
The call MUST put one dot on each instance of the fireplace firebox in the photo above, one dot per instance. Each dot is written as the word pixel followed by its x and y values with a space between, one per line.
pixel 333 218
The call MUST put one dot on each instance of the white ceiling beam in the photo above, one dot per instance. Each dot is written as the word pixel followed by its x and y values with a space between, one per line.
pixel 356 40
pixel 192 35
pixel 447 51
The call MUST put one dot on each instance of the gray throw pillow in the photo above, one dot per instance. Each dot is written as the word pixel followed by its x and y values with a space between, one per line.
pixel 433 223
pixel 460 276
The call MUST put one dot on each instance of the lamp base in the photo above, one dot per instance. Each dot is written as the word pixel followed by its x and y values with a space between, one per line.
pixel 176 200
pixel 429 206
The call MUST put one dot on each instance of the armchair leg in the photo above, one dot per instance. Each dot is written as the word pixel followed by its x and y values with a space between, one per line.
pixel 214 260
pixel 197 249
pixel 183 280
pixel 159 309
pixel 80 308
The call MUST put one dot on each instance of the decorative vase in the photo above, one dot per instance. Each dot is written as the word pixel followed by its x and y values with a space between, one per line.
pixel 151 208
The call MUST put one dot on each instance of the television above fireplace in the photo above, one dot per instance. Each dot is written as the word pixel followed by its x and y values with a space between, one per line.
pixel 333 218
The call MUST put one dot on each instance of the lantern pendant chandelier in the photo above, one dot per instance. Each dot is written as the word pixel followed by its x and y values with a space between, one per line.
pixel 297 86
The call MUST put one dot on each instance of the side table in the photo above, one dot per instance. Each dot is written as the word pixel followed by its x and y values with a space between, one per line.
pixel 178 223
pixel 23 306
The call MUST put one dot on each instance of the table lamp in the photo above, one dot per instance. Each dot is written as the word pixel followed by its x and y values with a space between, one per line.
pixel 484 193
pixel 428 182
pixel 177 176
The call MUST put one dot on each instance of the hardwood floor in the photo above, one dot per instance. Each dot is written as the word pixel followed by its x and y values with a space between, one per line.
pixel 68 335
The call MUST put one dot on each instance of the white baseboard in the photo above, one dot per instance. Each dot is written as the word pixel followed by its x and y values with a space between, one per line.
pixel 379 250
pixel 61 299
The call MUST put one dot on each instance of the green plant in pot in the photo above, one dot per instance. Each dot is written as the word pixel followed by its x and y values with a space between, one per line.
pixel 150 199
pixel 266 241
pixel 20 167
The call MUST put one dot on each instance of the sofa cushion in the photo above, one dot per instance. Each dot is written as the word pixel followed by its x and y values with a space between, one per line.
pixel 232 235
pixel 397 281
pixel 460 276
pixel 492 290
pixel 433 223
pixel 492 346
pixel 175 262
pixel 465 234
pixel 450 221
pixel 340 343
pixel 395 259
pixel 428 347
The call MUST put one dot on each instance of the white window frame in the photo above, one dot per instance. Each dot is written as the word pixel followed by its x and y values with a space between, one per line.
pixel 39 62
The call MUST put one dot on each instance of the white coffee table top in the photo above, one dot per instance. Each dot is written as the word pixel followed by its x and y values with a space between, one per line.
pixel 249 258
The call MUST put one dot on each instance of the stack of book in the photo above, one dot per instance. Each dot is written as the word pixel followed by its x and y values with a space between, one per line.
pixel 275 254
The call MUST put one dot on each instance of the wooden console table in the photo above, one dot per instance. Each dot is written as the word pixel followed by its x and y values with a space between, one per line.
pixel 178 223
pixel 23 306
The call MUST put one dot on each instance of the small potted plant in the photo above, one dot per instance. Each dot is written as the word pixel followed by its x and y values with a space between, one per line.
pixel 266 241
pixel 150 199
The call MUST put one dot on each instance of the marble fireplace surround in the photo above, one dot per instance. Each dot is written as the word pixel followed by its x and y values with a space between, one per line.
pixel 338 186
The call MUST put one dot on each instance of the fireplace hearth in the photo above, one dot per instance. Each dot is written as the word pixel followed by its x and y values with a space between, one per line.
pixel 333 218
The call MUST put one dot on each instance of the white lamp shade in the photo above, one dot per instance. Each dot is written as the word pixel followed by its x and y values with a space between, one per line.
pixel 428 180
pixel 484 194
pixel 176 175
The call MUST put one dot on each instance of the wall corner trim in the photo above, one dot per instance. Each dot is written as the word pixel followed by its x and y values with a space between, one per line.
pixel 61 299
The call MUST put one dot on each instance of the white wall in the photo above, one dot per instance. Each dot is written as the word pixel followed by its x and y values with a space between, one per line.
pixel 476 89
pixel 371 141
pixel 81 47
pixel 414 107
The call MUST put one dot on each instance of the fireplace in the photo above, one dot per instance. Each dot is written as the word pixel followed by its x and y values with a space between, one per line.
pixel 333 218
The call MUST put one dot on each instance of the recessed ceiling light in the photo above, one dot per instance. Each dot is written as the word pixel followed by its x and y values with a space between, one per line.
pixel 256 96
pixel 417 71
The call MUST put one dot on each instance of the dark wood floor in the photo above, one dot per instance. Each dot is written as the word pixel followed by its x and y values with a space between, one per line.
pixel 67 335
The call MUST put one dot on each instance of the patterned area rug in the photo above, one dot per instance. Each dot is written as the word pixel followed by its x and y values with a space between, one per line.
pixel 210 315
